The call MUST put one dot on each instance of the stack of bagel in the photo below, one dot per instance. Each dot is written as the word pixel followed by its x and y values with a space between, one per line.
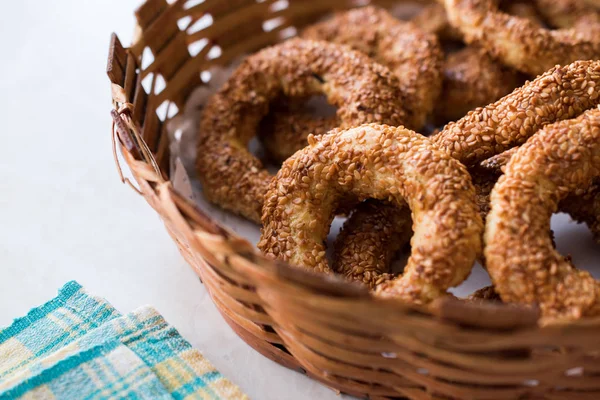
pixel 460 132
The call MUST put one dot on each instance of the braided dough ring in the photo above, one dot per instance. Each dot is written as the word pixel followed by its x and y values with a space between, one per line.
pixel 385 163
pixel 363 91
pixel 583 208
pixel 525 268
pixel 471 77
pixel 561 93
pixel 518 42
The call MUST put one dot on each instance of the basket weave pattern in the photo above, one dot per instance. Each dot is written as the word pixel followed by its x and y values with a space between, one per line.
pixel 329 329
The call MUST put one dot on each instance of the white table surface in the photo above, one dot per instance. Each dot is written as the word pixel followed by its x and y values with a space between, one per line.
pixel 63 212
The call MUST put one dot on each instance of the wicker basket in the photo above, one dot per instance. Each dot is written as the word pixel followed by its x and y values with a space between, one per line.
pixel 331 330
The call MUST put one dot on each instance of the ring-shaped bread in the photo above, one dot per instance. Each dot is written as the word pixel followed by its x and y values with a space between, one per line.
pixel 562 93
pixel 525 268
pixel 519 43
pixel 413 55
pixel 363 91
pixel 383 163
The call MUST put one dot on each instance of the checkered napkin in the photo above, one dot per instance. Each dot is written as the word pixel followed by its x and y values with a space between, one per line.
pixel 78 346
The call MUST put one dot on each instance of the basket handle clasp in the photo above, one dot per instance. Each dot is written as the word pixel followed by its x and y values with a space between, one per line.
pixel 124 131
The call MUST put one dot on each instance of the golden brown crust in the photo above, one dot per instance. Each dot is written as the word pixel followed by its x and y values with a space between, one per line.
pixel 518 42
pixel 414 56
pixel 369 240
pixel 561 93
pixel 385 163
pixel 433 18
pixel 231 176
pixel 375 232
pixel 485 175
pixel 473 79
pixel 560 159
pixel 583 205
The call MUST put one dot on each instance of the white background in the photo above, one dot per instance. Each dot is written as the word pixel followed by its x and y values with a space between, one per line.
pixel 64 214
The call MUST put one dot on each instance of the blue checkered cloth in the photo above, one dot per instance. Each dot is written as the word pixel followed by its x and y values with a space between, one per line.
pixel 78 346
pixel 46 329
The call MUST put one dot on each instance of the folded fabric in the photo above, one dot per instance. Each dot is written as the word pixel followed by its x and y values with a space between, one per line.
pixel 109 370
pixel 134 356
pixel 51 326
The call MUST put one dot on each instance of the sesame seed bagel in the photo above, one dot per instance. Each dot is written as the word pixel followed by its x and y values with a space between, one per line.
pixel 472 78
pixel 383 163
pixel 363 91
pixel 518 42
pixel 562 93
pixel 433 18
pixel 413 55
pixel 583 205
pixel 376 231
pixel 525 268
